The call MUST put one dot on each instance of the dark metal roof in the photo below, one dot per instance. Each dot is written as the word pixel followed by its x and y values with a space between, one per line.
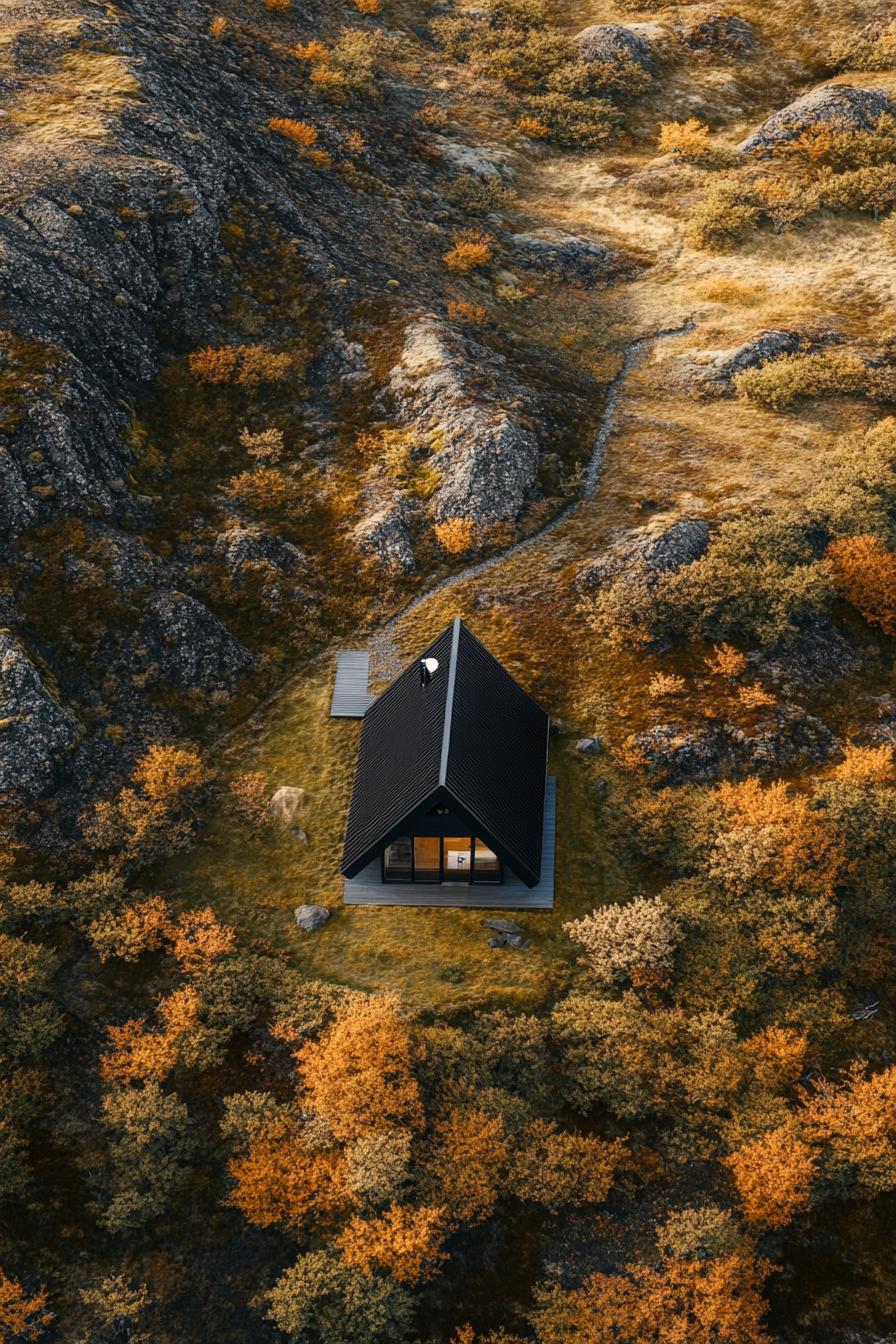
pixel 472 737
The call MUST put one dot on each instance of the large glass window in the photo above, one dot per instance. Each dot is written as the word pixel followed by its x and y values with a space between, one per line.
pixel 397 860
pixel 427 867
pixel 457 862
pixel 486 865
pixel 435 859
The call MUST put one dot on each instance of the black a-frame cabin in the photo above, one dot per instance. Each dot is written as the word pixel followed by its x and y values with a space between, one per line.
pixel 451 802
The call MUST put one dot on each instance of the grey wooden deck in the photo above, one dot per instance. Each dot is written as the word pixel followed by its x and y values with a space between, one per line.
pixel 368 889
pixel 350 694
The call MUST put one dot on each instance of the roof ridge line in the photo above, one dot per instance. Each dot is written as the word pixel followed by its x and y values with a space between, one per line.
pixel 449 701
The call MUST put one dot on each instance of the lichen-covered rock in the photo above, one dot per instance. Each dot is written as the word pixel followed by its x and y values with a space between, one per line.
pixel 613 42
pixel 462 397
pixel 710 29
pixel 818 656
pixel 596 573
pixel 34 728
pixel 247 544
pixel 485 161
pixel 384 537
pixel 785 737
pixel 566 254
pixel 260 561
pixel 841 105
pixel 713 371
pixel 90 295
pixel 681 544
pixel 189 645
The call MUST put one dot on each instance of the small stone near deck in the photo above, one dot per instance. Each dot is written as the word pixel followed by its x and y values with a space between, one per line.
pixel 311 917
pixel 502 925
pixel 285 804
pixel 590 746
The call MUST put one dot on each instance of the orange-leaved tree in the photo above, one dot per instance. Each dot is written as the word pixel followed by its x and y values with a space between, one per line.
pixel 556 1168
pixel 854 1125
pixel 865 573
pixel 680 1302
pixel 359 1076
pixel 136 1054
pixel 281 1180
pixel 21 1316
pixel 466 1164
pixel 153 815
pixel 778 1055
pixel 773 1175
pixel 404 1241
pixel 866 765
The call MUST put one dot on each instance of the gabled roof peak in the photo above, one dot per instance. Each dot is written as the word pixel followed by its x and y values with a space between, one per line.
pixel 473 731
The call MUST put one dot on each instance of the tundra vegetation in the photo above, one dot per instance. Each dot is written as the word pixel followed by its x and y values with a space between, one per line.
pixel 577 321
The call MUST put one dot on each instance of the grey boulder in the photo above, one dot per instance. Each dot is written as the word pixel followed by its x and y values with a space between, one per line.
pixel 614 43
pixel 589 746
pixel 713 372
pixel 310 918
pixel 681 544
pixel 190 645
pixel 285 804
pixel 842 105
pixel 34 728
pixel 565 254
pixel 505 926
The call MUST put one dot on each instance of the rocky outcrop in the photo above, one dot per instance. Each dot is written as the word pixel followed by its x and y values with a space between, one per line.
pixel 89 293
pixel 257 560
pixel 462 397
pixel 485 161
pixel 573 258
pixel 681 544
pixel 712 372
pixel 34 728
pixel 714 30
pixel 818 655
pixel 384 537
pixel 189 646
pixel 841 105
pixel 596 573
pixel 613 43
pixel 785 738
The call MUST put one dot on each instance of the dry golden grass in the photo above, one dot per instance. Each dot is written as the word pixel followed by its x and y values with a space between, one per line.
pixel 78 101
pixel 732 293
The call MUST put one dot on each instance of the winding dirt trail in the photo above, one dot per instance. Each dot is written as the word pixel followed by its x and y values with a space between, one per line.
pixel 385 651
